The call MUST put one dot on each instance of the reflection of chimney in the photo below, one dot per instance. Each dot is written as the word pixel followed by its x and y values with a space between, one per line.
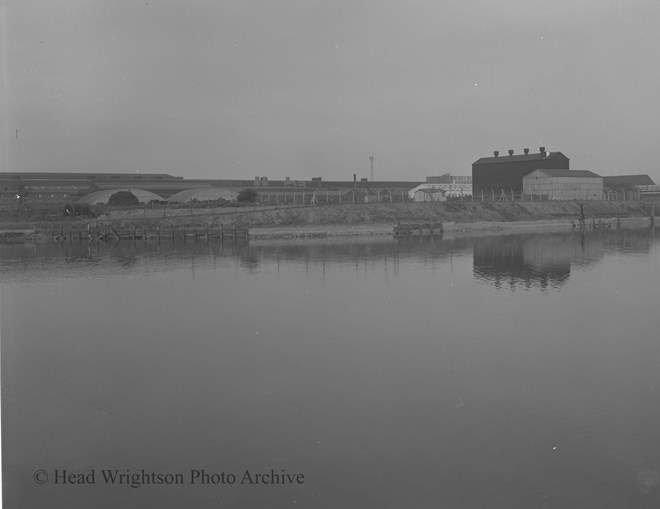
pixel 526 151
pixel 510 152
pixel 496 153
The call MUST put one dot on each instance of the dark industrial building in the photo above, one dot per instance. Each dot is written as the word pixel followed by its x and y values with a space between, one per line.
pixel 505 173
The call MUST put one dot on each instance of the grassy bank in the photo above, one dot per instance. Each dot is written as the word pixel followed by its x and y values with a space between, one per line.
pixel 370 218
pixel 455 211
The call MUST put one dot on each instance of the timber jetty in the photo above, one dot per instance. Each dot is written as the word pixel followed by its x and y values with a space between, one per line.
pixel 417 228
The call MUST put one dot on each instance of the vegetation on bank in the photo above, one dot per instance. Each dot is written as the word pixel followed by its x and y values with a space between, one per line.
pixel 454 211
pixel 359 214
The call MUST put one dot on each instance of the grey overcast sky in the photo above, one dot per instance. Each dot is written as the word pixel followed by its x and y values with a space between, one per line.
pixel 305 88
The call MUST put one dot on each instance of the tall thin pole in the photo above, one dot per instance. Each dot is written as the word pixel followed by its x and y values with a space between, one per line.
pixel 371 175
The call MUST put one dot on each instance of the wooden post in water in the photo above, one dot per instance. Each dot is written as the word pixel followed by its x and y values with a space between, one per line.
pixel 653 215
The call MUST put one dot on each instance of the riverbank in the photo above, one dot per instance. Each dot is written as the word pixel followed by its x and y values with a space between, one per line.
pixel 365 219
pixel 450 228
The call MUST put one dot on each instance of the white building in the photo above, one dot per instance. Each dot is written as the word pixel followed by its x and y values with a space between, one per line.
pixel 455 185
pixel 428 192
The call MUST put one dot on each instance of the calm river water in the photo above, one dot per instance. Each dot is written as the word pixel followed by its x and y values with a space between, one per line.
pixel 499 371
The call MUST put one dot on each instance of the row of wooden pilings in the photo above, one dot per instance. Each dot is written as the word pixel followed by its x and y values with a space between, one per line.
pixel 143 232
pixel 417 229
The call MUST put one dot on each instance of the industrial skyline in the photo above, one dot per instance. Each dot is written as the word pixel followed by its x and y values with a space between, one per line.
pixel 303 89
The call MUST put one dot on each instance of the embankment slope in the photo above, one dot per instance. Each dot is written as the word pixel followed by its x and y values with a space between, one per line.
pixel 456 211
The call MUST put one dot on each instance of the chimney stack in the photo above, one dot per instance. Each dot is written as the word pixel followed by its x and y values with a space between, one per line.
pixel 542 150
pixel 526 151
pixel 510 152
pixel 496 153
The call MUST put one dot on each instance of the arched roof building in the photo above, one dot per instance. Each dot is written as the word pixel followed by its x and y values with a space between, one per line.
pixel 207 194
pixel 102 197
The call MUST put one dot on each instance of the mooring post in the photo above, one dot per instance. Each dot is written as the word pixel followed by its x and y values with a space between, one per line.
pixel 653 215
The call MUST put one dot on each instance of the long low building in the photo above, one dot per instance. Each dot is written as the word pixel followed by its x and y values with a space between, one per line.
pixel 67 186
pixel 632 187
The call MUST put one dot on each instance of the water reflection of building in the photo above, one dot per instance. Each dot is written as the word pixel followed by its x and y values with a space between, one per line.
pixel 527 261
pixel 545 260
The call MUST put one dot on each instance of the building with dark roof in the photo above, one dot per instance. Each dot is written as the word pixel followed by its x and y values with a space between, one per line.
pixel 628 181
pixel 66 185
pixel 505 173
pixel 632 187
